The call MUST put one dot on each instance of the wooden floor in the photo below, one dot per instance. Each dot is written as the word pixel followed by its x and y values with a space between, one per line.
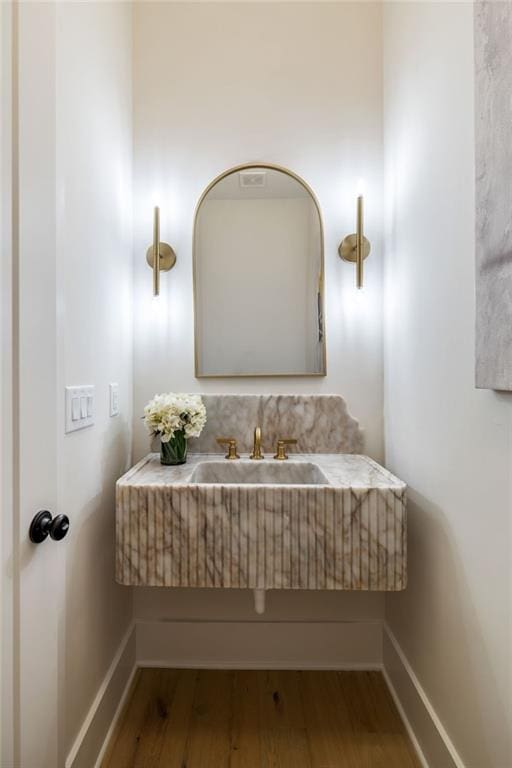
pixel 236 719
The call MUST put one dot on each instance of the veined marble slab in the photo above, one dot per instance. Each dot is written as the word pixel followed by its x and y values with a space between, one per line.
pixel 493 131
pixel 347 534
pixel 319 423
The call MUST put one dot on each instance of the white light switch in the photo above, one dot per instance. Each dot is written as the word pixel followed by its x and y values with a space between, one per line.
pixel 114 399
pixel 79 407
pixel 75 408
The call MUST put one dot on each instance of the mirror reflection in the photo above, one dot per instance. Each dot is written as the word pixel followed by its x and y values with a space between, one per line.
pixel 258 276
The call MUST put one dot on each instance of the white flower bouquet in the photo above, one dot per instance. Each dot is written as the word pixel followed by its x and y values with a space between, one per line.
pixel 175 418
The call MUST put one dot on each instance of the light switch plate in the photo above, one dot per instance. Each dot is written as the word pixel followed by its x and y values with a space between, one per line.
pixel 79 407
pixel 114 399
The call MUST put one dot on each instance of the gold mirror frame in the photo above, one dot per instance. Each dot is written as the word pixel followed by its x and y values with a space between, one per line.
pixel 282 169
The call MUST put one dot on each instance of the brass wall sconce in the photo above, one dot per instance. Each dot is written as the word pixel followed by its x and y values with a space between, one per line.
pixel 356 248
pixel 159 256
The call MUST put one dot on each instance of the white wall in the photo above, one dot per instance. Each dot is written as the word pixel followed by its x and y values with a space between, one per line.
pixel 220 84
pixel 450 442
pixel 94 108
pixel 216 85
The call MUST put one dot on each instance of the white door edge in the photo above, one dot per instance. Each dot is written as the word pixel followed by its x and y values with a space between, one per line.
pixel 7 753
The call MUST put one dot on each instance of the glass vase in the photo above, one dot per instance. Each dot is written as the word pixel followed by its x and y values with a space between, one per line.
pixel 175 451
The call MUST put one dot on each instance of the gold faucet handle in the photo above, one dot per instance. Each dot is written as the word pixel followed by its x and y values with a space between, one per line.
pixel 281 454
pixel 231 443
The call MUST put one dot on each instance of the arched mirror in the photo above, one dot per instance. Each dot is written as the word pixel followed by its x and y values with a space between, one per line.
pixel 258 276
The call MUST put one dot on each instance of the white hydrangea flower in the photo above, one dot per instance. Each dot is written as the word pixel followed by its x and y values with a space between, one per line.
pixel 169 413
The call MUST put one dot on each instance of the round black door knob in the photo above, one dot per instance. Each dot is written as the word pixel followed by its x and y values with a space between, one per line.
pixel 44 525
pixel 59 527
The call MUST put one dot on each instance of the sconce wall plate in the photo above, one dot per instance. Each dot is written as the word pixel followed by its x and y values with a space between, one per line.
pixel 167 257
pixel 348 248
pixel 159 256
pixel 356 248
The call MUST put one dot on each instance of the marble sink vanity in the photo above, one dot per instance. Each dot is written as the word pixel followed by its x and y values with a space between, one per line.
pixel 326 519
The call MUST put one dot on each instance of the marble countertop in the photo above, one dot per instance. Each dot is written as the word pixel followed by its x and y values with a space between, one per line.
pixel 341 470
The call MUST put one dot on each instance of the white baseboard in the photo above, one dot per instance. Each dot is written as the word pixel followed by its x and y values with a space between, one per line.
pixel 260 644
pixel 93 737
pixel 405 719
pixel 428 735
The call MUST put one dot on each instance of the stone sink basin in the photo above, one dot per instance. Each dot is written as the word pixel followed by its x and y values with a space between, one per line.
pixel 259 472
pixel 317 521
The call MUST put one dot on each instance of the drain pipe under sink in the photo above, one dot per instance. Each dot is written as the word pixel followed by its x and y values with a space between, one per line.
pixel 259 600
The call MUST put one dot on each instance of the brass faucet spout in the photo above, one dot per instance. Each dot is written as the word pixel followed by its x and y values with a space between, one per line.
pixel 256 450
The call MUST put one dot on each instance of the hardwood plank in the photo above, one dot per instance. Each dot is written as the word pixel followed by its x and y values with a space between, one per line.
pixel 330 730
pixel 283 736
pixel 174 738
pixel 379 735
pixel 245 728
pixel 280 702
pixel 126 746
pixel 159 704
pixel 387 713
pixel 260 719
pixel 209 742
pixel 352 692
pixel 385 750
